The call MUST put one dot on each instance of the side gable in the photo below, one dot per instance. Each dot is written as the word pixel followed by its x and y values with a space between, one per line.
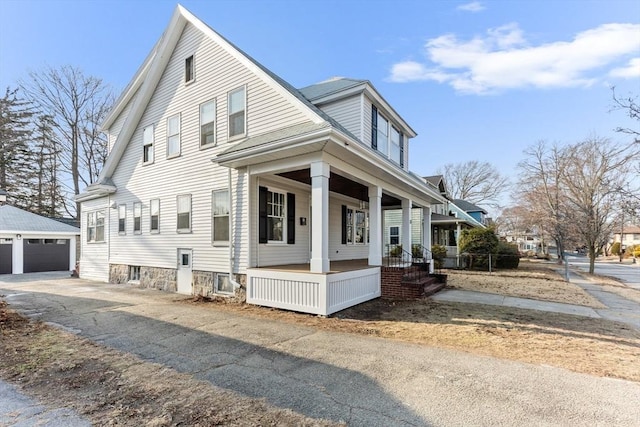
pixel 154 68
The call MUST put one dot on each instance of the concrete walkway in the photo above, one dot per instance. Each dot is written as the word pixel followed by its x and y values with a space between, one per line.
pixel 618 309
pixel 17 409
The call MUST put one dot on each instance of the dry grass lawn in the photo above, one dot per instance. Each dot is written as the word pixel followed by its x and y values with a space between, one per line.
pixel 532 280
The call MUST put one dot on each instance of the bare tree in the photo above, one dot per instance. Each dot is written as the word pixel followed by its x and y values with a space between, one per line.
pixel 474 181
pixel 76 104
pixel 541 189
pixel 630 106
pixel 595 171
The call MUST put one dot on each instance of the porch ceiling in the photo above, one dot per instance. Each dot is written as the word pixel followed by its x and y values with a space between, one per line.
pixel 341 185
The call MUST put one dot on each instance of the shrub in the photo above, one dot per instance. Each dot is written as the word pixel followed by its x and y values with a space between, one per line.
pixel 439 253
pixel 478 243
pixel 615 248
pixel 508 256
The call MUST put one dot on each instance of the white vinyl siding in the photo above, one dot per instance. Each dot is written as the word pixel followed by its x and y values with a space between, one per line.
pixel 94 261
pixel 346 112
pixel 116 126
pixel 193 172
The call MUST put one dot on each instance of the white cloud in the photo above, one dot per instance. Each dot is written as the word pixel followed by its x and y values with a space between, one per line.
pixel 630 71
pixel 474 6
pixel 503 59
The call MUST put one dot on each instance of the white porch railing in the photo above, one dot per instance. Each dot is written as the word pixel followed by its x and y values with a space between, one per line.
pixel 313 293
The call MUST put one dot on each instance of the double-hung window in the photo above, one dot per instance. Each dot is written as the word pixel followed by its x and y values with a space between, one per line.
pixel 154 213
pixel 386 138
pixel 95 226
pixel 122 219
pixel 173 136
pixel 275 216
pixel 137 218
pixel 189 74
pixel 208 124
pixel 147 144
pixel 394 235
pixel 220 212
pixel 355 229
pixel 237 117
pixel 184 213
pixel 383 135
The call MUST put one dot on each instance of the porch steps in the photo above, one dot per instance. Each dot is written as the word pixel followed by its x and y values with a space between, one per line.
pixel 429 284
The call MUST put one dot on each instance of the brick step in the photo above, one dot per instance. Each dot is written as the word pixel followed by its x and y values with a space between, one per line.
pixel 433 288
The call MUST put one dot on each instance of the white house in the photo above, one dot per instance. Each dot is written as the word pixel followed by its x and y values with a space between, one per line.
pixel 223 178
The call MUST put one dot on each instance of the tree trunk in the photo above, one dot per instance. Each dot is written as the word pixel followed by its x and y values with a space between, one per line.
pixel 592 259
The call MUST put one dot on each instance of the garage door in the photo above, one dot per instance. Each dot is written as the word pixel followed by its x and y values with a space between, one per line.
pixel 6 264
pixel 46 255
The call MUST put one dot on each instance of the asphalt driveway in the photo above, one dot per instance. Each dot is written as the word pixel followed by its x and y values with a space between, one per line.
pixel 363 381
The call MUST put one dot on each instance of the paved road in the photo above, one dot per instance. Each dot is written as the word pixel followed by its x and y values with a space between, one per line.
pixel 363 381
pixel 629 274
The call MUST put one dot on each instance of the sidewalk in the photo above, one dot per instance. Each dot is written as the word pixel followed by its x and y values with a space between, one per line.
pixel 618 309
pixel 17 409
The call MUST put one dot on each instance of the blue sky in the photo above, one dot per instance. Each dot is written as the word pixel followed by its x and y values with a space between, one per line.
pixel 477 80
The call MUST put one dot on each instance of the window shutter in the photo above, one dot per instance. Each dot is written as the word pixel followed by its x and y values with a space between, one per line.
pixel 262 214
pixel 291 218
pixel 401 150
pixel 374 129
pixel 344 224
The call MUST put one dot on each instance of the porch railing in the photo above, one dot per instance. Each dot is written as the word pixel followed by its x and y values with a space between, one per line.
pixel 417 262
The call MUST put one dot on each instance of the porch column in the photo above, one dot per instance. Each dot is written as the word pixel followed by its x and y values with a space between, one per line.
pixel 375 225
pixel 406 225
pixel 426 234
pixel 458 244
pixel 320 217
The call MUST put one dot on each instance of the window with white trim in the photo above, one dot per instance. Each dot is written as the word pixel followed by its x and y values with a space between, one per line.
pixel 122 219
pixel 137 218
pixel 95 226
pixel 147 144
pixel 220 213
pixel 154 214
pixel 208 124
pixel 237 117
pixel 134 273
pixel 276 216
pixel 386 138
pixel 173 136
pixel 394 235
pixel 357 226
pixel 184 213
pixel 189 75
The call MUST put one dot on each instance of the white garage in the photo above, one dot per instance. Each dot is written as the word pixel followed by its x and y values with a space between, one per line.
pixel 31 243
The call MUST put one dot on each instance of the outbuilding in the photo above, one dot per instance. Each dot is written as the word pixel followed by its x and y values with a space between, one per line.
pixel 32 243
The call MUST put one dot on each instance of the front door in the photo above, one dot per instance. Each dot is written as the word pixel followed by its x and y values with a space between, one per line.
pixel 185 271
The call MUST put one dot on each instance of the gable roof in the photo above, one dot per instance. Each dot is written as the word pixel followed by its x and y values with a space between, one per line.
pixel 342 87
pixel 468 206
pixel 18 220
pixel 437 181
pixel 149 74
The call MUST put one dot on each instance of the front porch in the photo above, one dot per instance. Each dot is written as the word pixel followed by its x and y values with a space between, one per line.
pixel 295 287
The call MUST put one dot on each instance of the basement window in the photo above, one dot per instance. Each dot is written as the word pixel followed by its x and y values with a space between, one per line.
pixel 134 273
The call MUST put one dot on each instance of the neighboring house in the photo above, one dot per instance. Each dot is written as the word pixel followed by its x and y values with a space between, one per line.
pixel 223 178
pixel 630 236
pixel 32 243
pixel 475 211
pixel 448 220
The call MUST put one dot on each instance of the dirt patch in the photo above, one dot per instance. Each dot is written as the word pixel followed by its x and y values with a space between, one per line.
pixel 532 280
pixel 112 388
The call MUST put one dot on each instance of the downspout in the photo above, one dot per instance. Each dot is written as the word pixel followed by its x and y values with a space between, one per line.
pixel 235 284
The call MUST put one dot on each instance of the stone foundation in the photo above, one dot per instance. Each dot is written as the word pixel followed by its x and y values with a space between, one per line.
pixel 118 273
pixel 165 279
